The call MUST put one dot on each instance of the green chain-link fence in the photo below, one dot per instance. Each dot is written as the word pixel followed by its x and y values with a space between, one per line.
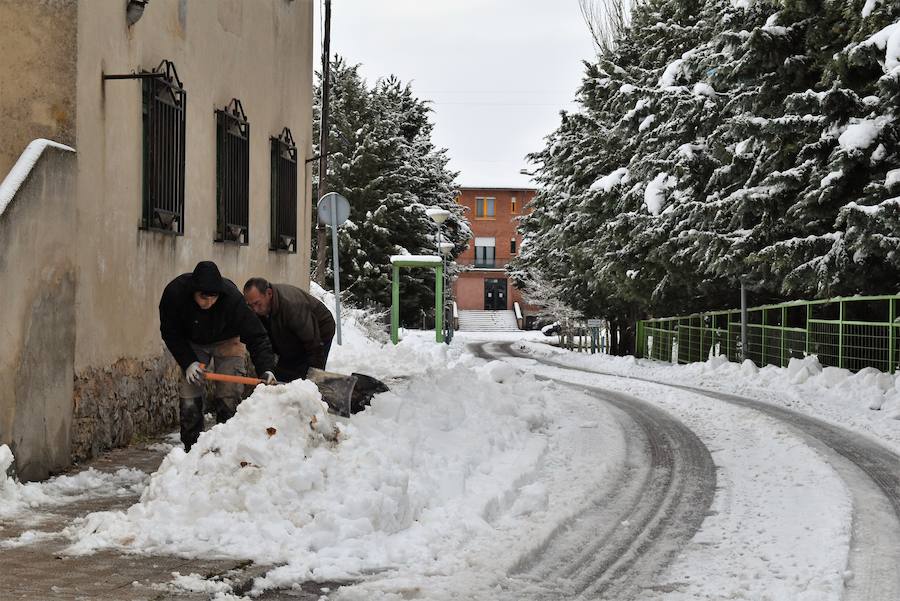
pixel 853 333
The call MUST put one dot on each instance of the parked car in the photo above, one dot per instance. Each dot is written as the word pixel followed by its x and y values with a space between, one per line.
pixel 551 329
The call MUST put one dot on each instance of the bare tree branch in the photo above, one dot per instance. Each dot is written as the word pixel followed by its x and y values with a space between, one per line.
pixel 606 20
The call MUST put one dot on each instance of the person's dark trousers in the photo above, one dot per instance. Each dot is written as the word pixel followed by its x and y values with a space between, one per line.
pixel 287 371
pixel 326 347
pixel 190 413
pixel 224 410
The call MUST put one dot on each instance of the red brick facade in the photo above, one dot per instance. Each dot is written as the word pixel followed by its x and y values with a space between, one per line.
pixel 492 213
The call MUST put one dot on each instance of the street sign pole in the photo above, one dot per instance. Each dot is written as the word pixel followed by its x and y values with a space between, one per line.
pixel 337 272
pixel 333 209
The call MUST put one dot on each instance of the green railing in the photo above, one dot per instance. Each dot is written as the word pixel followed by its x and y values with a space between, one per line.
pixel 853 332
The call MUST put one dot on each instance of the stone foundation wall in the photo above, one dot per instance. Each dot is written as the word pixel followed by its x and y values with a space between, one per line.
pixel 129 398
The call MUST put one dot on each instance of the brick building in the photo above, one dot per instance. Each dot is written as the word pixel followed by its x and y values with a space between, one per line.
pixel 493 215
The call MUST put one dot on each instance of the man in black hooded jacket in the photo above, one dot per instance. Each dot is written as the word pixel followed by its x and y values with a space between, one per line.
pixel 204 320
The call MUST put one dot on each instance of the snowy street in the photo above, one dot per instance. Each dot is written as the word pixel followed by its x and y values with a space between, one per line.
pixel 783 492
pixel 512 470
pixel 512 300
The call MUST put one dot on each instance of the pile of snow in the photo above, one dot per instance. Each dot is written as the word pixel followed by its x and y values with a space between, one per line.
pixel 409 482
pixel 17 498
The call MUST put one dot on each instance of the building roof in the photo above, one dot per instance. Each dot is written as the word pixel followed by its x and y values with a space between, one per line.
pixel 515 188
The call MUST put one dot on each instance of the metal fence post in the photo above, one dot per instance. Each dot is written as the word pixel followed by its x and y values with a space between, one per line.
pixel 808 317
pixel 744 353
pixel 764 334
pixel 783 326
pixel 841 334
pixel 728 335
pixel 892 315
pixel 639 345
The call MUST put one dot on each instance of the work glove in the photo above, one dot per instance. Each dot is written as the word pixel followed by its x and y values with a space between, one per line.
pixel 269 378
pixel 194 373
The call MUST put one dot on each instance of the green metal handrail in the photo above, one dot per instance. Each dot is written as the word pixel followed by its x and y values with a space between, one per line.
pixel 849 332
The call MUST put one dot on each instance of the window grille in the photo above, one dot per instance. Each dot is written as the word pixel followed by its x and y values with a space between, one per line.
pixel 164 109
pixel 232 174
pixel 284 193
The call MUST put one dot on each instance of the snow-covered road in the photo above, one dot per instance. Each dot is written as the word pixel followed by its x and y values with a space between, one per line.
pixel 525 473
pixel 658 499
pixel 831 500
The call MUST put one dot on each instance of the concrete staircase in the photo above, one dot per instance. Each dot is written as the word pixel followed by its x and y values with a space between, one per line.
pixel 487 321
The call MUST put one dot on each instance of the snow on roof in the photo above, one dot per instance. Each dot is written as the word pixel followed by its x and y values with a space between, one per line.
pixel 421 259
pixel 19 173
pixel 494 188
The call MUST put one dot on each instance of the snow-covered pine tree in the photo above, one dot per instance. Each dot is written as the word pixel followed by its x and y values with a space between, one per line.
pixel 723 140
pixel 386 165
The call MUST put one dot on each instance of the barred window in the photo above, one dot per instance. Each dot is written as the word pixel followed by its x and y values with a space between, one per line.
pixel 284 193
pixel 232 174
pixel 164 109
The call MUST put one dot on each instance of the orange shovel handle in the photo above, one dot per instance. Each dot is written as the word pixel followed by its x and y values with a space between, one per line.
pixel 234 379
pixel 209 375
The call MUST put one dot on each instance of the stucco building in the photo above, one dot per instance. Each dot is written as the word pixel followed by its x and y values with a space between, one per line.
pixel 188 127
pixel 493 215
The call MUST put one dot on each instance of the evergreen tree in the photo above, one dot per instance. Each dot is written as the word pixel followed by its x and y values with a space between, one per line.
pixel 382 160
pixel 721 141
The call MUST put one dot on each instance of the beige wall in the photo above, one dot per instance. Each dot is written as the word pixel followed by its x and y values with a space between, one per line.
pixel 37 272
pixel 37 70
pixel 82 366
pixel 259 52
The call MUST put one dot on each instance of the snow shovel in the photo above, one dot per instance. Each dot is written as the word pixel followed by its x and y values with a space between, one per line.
pixel 360 394
pixel 338 391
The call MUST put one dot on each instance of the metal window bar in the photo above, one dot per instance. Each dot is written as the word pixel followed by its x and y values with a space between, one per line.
pixel 164 104
pixel 284 193
pixel 232 174
pixel 853 333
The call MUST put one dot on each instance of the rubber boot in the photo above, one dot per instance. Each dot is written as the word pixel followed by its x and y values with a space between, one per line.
pixel 190 413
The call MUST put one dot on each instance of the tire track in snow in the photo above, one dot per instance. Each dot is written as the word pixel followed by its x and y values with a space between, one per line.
pixel 870 471
pixel 628 535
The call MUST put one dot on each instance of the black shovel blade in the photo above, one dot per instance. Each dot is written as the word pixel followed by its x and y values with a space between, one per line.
pixel 366 387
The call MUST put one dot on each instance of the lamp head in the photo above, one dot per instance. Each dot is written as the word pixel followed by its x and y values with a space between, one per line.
pixel 437 215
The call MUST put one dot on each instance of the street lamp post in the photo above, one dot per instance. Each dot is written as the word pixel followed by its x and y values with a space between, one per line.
pixel 439 216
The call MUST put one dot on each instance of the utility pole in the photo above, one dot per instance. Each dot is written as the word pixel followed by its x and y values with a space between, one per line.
pixel 321 238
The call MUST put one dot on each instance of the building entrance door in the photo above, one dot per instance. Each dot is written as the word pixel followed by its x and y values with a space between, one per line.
pixel 495 294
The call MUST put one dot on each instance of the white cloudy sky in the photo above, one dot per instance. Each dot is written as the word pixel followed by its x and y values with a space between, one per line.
pixel 498 71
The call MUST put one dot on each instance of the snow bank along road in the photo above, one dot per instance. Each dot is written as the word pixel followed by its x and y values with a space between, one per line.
pixel 850 474
pixel 658 500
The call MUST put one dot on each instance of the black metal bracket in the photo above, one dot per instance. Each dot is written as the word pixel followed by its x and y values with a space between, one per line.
pixel 132 75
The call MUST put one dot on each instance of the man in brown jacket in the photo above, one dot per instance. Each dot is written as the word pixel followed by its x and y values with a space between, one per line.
pixel 300 326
